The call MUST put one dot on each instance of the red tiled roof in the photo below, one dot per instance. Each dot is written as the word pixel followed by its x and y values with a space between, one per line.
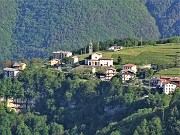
pixel 165 77
pixel 175 79
pixel 129 65
pixel 165 82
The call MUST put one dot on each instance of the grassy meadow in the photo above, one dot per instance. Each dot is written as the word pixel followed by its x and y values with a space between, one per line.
pixel 174 72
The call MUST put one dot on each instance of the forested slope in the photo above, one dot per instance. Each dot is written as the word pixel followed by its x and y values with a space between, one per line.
pixel 43 26
pixel 34 28
pixel 75 104
pixel 167 16
pixel 8 17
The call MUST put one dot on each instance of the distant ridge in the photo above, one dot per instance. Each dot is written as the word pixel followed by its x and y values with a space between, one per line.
pixel 36 28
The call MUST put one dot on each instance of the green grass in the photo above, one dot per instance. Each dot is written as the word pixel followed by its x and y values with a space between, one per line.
pixel 159 54
pixel 174 72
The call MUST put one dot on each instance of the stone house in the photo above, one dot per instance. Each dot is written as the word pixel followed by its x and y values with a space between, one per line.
pixel 126 75
pixel 61 54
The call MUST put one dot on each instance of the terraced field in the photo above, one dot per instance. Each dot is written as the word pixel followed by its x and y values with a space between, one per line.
pixel 174 72
pixel 160 54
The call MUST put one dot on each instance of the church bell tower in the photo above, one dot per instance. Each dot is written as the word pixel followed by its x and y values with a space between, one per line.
pixel 90 47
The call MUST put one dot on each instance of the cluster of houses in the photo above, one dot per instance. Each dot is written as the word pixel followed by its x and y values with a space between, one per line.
pixel 14 70
pixel 167 83
pixel 96 62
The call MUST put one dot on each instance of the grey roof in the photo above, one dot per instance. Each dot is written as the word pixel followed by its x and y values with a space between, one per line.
pixel 10 69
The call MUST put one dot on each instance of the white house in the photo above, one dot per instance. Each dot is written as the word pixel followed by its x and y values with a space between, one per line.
pixel 74 59
pixel 96 59
pixel 168 87
pixel 131 67
pixel 61 54
pixel 11 72
pixel 115 48
pixel 106 61
pixel 126 75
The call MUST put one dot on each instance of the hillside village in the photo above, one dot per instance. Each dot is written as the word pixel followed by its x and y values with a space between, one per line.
pixel 127 75
pixel 125 81
pixel 98 68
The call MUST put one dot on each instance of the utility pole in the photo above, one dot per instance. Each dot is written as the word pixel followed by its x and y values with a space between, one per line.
pixel 85 50
pixel 98 46
pixel 141 41
pixel 163 115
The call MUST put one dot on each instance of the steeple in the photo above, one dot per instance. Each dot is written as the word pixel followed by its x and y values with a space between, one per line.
pixel 90 47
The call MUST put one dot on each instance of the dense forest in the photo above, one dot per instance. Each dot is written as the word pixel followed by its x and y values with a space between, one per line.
pixel 35 28
pixel 8 17
pixel 74 104
pixel 166 14
pixel 44 26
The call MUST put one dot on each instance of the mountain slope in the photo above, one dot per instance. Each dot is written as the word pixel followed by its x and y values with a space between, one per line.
pixel 35 28
pixel 167 16
pixel 7 22
pixel 44 26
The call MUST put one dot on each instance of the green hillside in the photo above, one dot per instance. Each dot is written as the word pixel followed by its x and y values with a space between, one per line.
pixel 34 28
pixel 166 14
pixel 140 55
pixel 7 23
pixel 44 26
pixel 64 104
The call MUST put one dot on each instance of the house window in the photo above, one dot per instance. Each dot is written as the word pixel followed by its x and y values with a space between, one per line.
pixel 89 63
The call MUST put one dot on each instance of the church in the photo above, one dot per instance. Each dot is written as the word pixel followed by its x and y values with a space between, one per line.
pixel 96 58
